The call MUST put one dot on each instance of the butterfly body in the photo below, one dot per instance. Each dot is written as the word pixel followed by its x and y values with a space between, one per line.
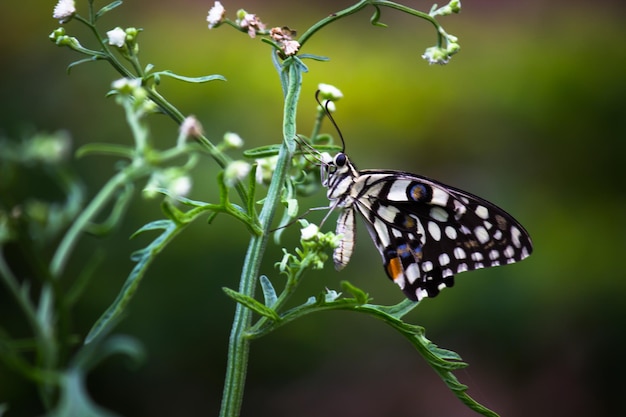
pixel 425 231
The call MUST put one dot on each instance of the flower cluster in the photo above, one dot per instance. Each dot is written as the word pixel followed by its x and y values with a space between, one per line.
pixel 284 38
pixel 250 22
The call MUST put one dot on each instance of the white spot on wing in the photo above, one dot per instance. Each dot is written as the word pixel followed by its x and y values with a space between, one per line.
pixel 439 214
pixel 459 253
pixel 451 232
pixel 482 212
pixel 444 259
pixel 412 273
pixel 515 235
pixel 481 234
pixel 434 231
pixel 440 197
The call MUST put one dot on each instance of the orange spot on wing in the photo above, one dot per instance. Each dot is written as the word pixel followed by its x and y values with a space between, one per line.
pixel 394 268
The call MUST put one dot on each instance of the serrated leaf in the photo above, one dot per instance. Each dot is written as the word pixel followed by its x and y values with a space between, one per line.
pixel 144 259
pixel 252 304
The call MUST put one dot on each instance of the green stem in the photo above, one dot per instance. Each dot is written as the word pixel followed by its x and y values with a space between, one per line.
pixel 107 192
pixel 361 5
pixel 239 344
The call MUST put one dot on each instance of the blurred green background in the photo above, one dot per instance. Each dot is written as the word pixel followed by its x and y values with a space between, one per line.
pixel 530 115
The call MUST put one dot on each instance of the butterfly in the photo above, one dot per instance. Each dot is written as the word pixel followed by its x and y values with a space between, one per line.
pixel 425 231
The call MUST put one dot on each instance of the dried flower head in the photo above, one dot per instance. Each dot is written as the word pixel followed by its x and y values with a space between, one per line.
pixel 284 37
pixel 250 22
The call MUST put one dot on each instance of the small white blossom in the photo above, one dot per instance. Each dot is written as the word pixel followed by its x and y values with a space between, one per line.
pixel 180 186
pixel 309 232
pixel 232 140
pixel 216 15
pixel 125 85
pixel 436 55
pixel 64 10
pixel 331 295
pixel 190 127
pixel 265 169
pixel 329 92
pixel 236 171
pixel 117 37
pixel 174 180
pixel 329 105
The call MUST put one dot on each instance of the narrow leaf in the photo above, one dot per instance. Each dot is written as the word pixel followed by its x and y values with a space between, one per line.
pixel 105 149
pixel 203 79
pixel 252 304
pixel 360 296
pixel 269 293
pixel 108 8
pixel 144 259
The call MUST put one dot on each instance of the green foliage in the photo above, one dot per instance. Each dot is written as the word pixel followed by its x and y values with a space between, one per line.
pixel 61 365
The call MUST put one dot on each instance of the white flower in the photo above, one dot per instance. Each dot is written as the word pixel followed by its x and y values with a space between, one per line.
pixel 309 232
pixel 236 171
pixel 126 85
pixel 329 92
pixel 180 186
pixel 265 169
pixel 330 106
pixel 190 127
pixel 216 15
pixel 117 37
pixel 64 10
pixel 232 140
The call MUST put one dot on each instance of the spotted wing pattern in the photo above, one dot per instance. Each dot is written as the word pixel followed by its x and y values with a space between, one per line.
pixel 425 231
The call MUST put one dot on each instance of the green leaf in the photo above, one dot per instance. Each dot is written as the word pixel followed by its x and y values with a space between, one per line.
pixel 108 8
pixel 252 304
pixel 269 293
pixel 171 74
pixel 144 259
pixel 359 295
pixel 74 400
pixel 401 309
pixel 81 61
pixel 121 204
pixel 272 150
pixel 375 19
pixel 314 57
pixel 105 149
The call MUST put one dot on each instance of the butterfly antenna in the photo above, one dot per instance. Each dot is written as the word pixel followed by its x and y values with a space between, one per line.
pixel 330 117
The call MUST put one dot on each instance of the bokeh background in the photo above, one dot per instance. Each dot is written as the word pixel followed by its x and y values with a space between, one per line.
pixel 530 114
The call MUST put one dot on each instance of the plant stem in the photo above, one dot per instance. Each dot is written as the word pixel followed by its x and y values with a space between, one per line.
pixel 239 344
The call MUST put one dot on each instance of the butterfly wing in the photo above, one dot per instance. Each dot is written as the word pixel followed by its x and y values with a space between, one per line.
pixel 426 231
